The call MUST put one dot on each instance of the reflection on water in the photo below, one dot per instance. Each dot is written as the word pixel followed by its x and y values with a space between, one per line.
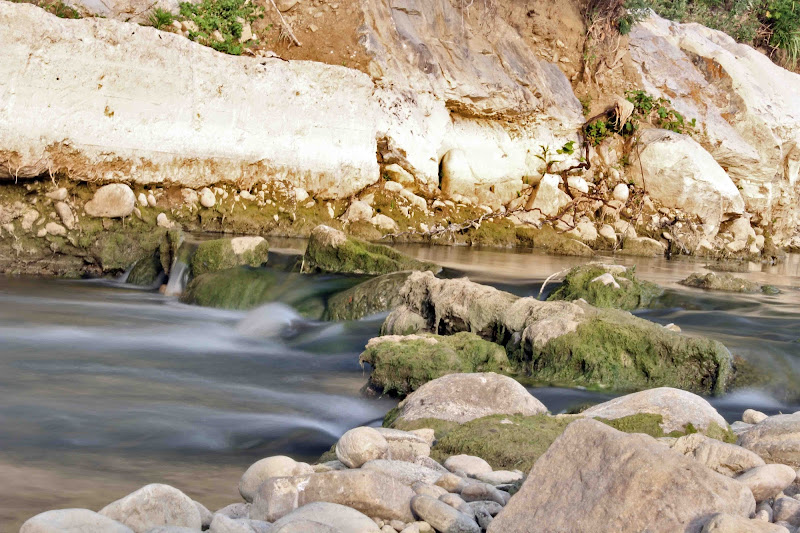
pixel 104 388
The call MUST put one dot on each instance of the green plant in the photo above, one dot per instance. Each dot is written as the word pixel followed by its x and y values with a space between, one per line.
pixel 586 104
pixel 160 18
pixel 223 16
pixel 59 8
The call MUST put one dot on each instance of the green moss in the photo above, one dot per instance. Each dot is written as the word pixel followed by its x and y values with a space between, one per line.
pixel 548 239
pixel 235 288
pixel 440 427
pixel 402 366
pixel 117 250
pixel 212 256
pixel 617 351
pixel 721 282
pixel 372 296
pixel 631 294
pixel 146 271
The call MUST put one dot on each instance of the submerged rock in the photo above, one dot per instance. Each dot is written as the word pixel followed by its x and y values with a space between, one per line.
pixel 330 250
pixel 372 296
pixel 725 282
pixel 401 364
pixel 221 254
pixel 593 474
pixel 607 286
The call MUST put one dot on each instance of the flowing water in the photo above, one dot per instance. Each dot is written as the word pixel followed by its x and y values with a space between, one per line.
pixel 104 388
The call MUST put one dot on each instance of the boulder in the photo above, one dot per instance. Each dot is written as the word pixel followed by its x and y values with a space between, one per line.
pixel 369 297
pixel 221 254
pixel 776 439
pixel 641 247
pixel 767 481
pixel 469 464
pixel 373 493
pixel 606 286
pixel 721 282
pixel 549 199
pixel 402 363
pixel 233 288
pixel 786 510
pixel 360 445
pixel 72 521
pixel 404 445
pixel 594 474
pixel 154 505
pixel 721 457
pixel 677 408
pixel 621 193
pixel 464 397
pixel 457 175
pixel 443 517
pixel 339 517
pixel 751 416
pixel 680 174
pixel 330 250
pixel 357 211
pixel 207 197
pixel 276 466
pixel 725 523
pixel 111 201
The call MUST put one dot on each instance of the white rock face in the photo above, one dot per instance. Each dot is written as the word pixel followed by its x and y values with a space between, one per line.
pixel 110 201
pixel 679 173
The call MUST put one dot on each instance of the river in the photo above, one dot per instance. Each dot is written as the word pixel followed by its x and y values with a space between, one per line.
pixel 104 388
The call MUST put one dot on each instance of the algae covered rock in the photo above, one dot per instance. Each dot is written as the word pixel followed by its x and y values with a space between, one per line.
pixel 401 364
pixel 607 286
pixel 146 271
pixel 554 242
pixel 234 288
pixel 372 296
pixel 641 247
pixel 726 282
pixel 221 254
pixel 330 250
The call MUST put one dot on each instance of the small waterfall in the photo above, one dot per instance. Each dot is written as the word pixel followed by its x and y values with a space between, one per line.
pixel 179 271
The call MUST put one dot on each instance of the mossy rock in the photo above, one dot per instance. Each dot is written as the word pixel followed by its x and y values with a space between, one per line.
pixel 516 442
pixel 642 247
pixel 146 271
pixel 615 350
pixel 221 254
pixel 367 298
pixel 552 241
pixel 628 293
pixel 234 288
pixel 403 364
pixel 118 250
pixel 330 250
pixel 726 282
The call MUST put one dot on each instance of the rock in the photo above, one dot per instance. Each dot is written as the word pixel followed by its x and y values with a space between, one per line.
pixel 58 195
pixel 235 510
pixel 207 197
pixel 72 520
pixel 221 254
pixel 680 174
pixel 403 445
pixel 397 173
pixel 464 397
pixel 341 518
pixel 767 481
pixel 427 434
pixel 154 505
pixel 260 471
pixel 383 222
pixel 720 282
pixel 578 184
pixel 369 297
pixel 451 482
pixel 401 364
pixel 457 175
pixel 300 194
pixel 499 477
pixel 725 523
pixel 163 221
pixel 434 491
pixel 480 492
pixel 53 228
pixel 370 492
pixel 491 508
pixel 206 516
pixel 442 517
pixel 606 286
pixel 111 201
pixel 360 445
pixel 678 409
pixel 776 439
pixel 358 211
pixel 403 471
pixel 470 465
pixel 641 247
pixel 786 510
pixel 593 474
pixel 621 193
pixel 549 199
pixel 151 200
pixel 224 524
pixel 722 457
pixel 330 250
pixel 607 232
pixel 751 416
pixel 66 215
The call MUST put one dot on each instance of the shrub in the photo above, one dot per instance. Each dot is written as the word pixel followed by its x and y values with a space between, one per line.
pixel 160 18
pixel 224 16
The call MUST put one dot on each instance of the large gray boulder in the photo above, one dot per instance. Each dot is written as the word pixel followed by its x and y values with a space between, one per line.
pixel 372 493
pixel 678 409
pixel 340 517
pixel 276 466
pixel 72 521
pixel 464 397
pixel 154 505
pixel 776 439
pixel 593 474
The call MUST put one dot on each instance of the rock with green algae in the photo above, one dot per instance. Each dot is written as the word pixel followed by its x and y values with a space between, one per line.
pixel 221 254
pixel 607 286
pixel 369 297
pixel 726 282
pixel 330 250
pixel 641 247
pixel 401 364
pixel 146 271
pixel 551 240
pixel 234 288
pixel 571 343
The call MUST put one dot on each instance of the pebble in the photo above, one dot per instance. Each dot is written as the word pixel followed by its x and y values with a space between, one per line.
pixel 163 221
pixel 442 517
pixel 207 197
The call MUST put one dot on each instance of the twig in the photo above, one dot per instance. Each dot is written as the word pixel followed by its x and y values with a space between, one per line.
pixel 551 276
pixel 285 24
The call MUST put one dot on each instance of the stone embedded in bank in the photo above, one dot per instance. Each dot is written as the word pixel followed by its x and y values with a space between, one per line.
pixel 111 201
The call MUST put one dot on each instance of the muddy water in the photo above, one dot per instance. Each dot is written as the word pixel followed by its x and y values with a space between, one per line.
pixel 105 388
